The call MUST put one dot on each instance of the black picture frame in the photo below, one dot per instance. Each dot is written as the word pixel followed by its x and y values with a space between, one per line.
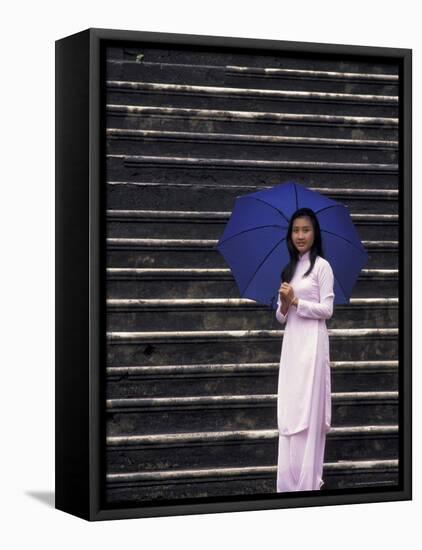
pixel 81 227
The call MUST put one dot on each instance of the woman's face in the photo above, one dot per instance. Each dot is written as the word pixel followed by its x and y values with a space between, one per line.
pixel 302 234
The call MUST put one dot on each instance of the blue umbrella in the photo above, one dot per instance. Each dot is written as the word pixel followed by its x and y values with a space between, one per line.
pixel 254 246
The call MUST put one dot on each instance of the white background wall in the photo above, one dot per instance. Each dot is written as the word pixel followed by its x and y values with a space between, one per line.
pixel 28 517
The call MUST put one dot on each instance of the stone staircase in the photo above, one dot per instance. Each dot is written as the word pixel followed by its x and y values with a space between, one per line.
pixel 192 369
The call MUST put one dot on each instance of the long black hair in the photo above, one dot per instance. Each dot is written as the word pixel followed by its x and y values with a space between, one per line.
pixel 316 249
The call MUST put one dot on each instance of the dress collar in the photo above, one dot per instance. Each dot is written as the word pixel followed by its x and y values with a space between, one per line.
pixel 305 256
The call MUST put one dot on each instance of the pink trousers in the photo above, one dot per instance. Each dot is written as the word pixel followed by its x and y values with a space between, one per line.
pixel 301 455
pixel 300 461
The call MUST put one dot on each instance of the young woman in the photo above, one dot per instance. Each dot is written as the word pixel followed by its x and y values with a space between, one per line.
pixel 306 298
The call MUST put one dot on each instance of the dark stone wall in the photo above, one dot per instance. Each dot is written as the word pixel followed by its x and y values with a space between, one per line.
pixel 191 368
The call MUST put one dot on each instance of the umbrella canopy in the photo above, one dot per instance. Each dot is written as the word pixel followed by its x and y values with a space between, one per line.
pixel 254 245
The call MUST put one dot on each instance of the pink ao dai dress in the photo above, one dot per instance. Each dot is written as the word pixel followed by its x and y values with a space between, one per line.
pixel 304 383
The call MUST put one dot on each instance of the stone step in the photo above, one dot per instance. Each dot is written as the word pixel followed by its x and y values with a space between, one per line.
pixel 184 224
pixel 211 314
pixel 246 121
pixel 240 448
pixel 193 347
pixel 204 482
pixel 124 92
pixel 215 287
pixel 203 253
pixel 190 169
pixel 128 141
pixel 297 78
pixel 238 379
pixel 236 412
pixel 257 59
pixel 208 193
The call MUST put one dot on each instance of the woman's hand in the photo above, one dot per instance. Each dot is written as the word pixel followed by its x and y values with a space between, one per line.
pixel 286 293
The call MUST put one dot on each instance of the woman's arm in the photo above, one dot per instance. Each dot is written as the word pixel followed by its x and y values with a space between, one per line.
pixel 281 313
pixel 324 308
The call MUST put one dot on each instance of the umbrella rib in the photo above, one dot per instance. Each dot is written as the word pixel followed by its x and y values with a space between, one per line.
pixel 269 204
pixel 330 206
pixel 247 230
pixel 263 261
pixel 340 285
pixel 297 202
pixel 340 237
